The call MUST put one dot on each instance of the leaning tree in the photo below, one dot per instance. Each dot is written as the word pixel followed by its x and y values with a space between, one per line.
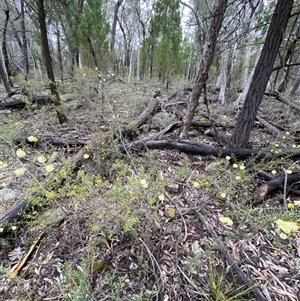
pixel 205 62
pixel 261 74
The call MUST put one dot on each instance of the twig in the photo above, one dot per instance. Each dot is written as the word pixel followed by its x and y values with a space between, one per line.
pixel 24 260
pixel 189 280
pixel 153 260
pixel 285 188
pixel 209 117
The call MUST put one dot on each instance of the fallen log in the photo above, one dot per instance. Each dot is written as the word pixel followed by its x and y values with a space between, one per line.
pixel 44 141
pixel 19 104
pixel 189 147
pixel 272 185
pixel 269 126
pixel 282 99
pixel 192 148
pixel 15 104
pixel 12 212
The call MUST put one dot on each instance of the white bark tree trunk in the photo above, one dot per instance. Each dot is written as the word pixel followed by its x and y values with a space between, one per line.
pixel 223 78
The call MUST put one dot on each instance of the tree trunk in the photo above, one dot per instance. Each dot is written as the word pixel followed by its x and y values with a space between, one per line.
pixel 93 51
pixel 126 46
pixel 73 47
pixel 296 87
pixel 241 99
pixel 151 61
pixel 205 62
pixel 290 54
pixel 4 79
pixel 261 75
pixel 4 48
pixel 114 26
pixel 59 56
pixel 24 48
pixel 140 64
pixel 48 62
pixel 223 77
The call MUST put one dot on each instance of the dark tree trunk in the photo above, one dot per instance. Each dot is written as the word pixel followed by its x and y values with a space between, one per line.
pixel 4 48
pixel 114 27
pixel 151 60
pixel 290 53
pixel 48 62
pixel 205 62
pixel 92 51
pixel 75 59
pixel 24 40
pixel 262 73
pixel 126 45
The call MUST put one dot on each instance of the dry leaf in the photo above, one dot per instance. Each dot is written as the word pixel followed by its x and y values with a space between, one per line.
pixel 170 212
pixel 186 247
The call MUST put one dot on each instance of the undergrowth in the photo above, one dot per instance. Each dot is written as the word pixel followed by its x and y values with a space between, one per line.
pixel 134 205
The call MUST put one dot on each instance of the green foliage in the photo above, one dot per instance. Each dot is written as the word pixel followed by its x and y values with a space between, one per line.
pixel 218 288
pixel 221 290
pixel 164 41
pixel 83 186
pixel 9 131
pixel 189 57
pixel 130 190
pixel 75 284
pixel 183 171
pixel 85 28
pixel 115 287
pixel 93 30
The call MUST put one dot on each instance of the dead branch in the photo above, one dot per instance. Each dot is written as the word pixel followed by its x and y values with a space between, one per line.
pixel 18 104
pixel 272 185
pixel 190 147
pixel 46 140
pixel 15 104
pixel 282 99
pixel 268 125
pixel 21 265
pixel 12 212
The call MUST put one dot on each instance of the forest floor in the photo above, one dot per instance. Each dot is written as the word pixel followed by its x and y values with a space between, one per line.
pixel 144 225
